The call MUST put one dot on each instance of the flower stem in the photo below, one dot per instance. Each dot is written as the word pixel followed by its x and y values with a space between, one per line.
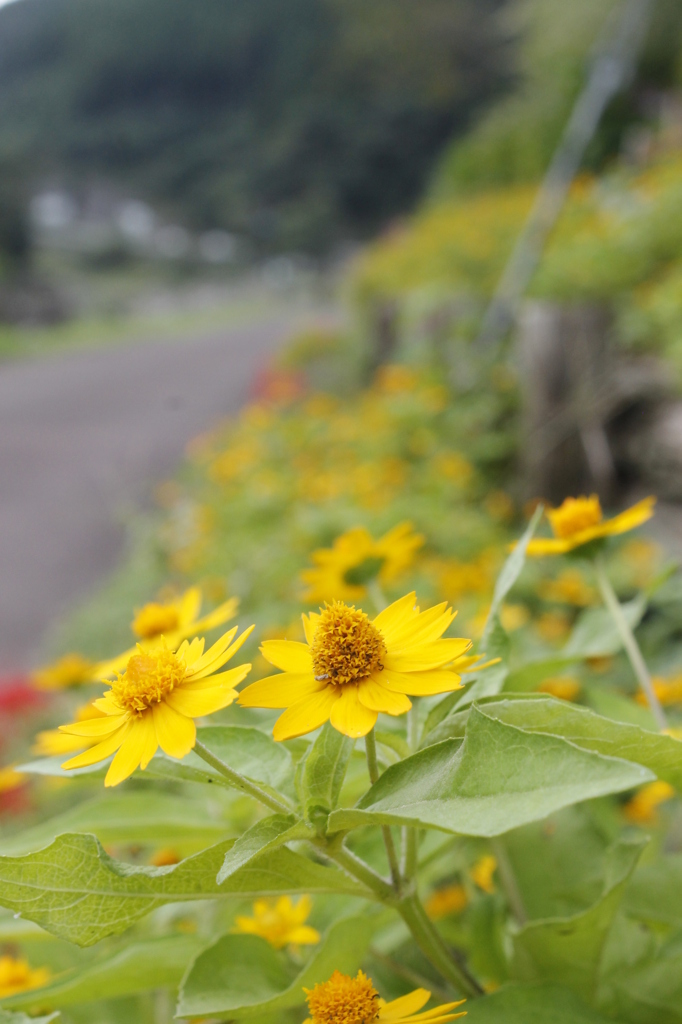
pixel 434 949
pixel 357 868
pixel 629 642
pixel 239 782
pixel 376 593
pixel 373 768
pixel 410 847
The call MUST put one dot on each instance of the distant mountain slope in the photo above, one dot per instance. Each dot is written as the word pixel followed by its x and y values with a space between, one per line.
pixel 298 122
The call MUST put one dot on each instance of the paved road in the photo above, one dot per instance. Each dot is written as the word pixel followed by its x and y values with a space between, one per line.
pixel 84 434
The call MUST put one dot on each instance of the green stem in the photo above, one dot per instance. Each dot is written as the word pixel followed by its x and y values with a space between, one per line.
pixel 239 782
pixel 410 835
pixel 376 593
pixel 629 642
pixel 434 948
pixel 412 977
pixel 357 868
pixel 373 768
pixel 509 883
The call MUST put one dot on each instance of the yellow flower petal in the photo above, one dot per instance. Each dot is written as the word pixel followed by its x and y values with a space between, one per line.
pixel 280 690
pixel 377 698
pixel 289 655
pixel 94 727
pixel 632 517
pixel 427 656
pixel 426 627
pixel 215 657
pixel 421 684
pixel 196 703
pixel 304 936
pixel 392 619
pixel 306 715
pixel 175 733
pixel 100 751
pixel 135 747
pixel 351 717
pixel 404 1006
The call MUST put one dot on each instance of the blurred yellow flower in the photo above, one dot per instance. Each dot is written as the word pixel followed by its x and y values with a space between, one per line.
pixel 499 506
pixel 154 703
pixel 553 626
pixel 513 616
pixel 70 670
pixel 568 588
pixel 10 779
pixel 578 521
pixel 668 691
pixel 453 466
pixel 482 873
pixel 394 379
pixel 451 899
pixel 343 571
pixel 563 687
pixel 642 807
pixel 458 579
pixel 164 857
pixel 642 556
pixel 52 742
pixel 18 976
pixel 346 1000
pixel 280 922
pixel 352 668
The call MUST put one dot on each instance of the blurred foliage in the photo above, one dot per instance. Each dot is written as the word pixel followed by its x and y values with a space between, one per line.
pixel 296 122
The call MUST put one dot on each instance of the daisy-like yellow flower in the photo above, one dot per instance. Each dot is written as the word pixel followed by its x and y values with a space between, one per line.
pixel 343 571
pixel 17 976
pixel 578 521
pixel 169 623
pixel 154 703
pixel 642 809
pixel 280 922
pixel 52 742
pixel 68 671
pixel 345 1000
pixel 482 873
pixel 352 668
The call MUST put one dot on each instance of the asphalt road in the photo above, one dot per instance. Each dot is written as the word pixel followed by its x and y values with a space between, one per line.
pixel 84 434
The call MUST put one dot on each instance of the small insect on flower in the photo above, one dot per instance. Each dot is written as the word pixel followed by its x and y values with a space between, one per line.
pixel 578 521
pixel 343 571
pixel 352 668
pixel 280 922
pixel 17 976
pixel 345 1000
pixel 154 703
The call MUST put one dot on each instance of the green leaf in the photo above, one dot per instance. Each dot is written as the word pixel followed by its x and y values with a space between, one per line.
pixel 139 967
pixel 595 633
pixel 499 778
pixel 324 772
pixel 74 889
pixel 267 834
pixel 243 976
pixel 250 752
pixel 529 676
pixel 649 991
pixel 138 817
pixel 661 754
pixel 569 950
pixel 531 1004
pixel 655 892
pixel 511 571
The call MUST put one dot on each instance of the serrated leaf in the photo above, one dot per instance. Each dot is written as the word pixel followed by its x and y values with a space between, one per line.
pixel 499 778
pixel 509 574
pixel 568 950
pixel 531 1004
pixel 140 967
pixel 267 834
pixel 141 817
pixel 74 889
pixel 595 633
pixel 242 975
pixel 661 754
pixel 325 769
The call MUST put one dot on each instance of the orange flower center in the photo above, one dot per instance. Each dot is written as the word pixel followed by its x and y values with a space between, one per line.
pixel 346 646
pixel 155 619
pixel 344 1000
pixel 575 515
pixel 148 678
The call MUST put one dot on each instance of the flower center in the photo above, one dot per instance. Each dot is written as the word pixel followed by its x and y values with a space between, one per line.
pixel 575 515
pixel 343 1000
pixel 148 678
pixel 154 619
pixel 346 646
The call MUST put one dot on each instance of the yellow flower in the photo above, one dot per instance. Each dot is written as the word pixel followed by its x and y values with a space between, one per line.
pixel 17 976
pixel 281 922
pixel 563 687
pixel 452 899
pixel 164 857
pixel 668 691
pixel 154 703
pixel 10 779
pixel 52 742
pixel 482 873
pixel 553 626
pixel 169 623
pixel 342 571
pixel 70 670
pixel 345 1000
pixel 352 668
pixel 641 809
pixel 568 588
pixel 580 520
